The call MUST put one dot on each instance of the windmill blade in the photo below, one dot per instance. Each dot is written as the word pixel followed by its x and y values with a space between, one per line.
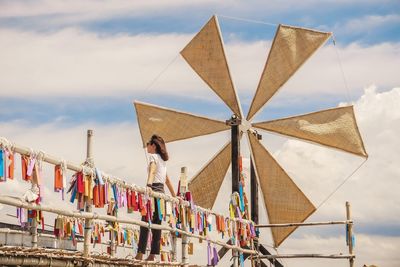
pixel 284 201
pixel 206 184
pixel 336 128
pixel 173 125
pixel 291 47
pixel 205 54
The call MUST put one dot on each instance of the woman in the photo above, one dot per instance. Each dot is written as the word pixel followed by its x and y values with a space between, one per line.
pixel 157 176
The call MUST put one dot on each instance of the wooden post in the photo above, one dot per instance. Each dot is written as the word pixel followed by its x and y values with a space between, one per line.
pixel 88 208
pixel 185 239
pixel 174 247
pixel 112 242
pixel 349 233
pixel 34 232
pixel 185 243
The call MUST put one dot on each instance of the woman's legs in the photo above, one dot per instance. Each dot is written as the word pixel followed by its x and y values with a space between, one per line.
pixel 155 243
pixel 144 235
pixel 156 234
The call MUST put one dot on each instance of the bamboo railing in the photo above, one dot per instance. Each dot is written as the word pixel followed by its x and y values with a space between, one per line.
pixel 89 216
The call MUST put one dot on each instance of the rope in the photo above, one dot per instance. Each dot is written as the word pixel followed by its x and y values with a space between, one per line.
pixel 160 74
pixel 341 184
pixel 341 68
pixel 5 143
pixel 249 20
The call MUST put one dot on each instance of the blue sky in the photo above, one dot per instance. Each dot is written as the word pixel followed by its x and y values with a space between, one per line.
pixel 366 23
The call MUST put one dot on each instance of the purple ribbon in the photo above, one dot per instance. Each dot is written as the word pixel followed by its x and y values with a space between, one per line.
pixel 30 167
pixel 209 262
pixel 215 258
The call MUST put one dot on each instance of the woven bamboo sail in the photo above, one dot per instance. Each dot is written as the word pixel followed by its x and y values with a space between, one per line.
pixel 335 128
pixel 291 47
pixel 206 184
pixel 173 125
pixel 205 54
pixel 284 201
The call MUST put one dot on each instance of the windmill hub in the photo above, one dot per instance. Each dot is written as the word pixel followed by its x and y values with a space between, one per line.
pixel 245 125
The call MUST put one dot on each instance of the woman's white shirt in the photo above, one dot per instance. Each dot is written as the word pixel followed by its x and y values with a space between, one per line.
pixel 161 168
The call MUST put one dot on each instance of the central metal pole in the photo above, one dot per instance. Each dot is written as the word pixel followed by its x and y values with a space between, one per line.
pixel 234 122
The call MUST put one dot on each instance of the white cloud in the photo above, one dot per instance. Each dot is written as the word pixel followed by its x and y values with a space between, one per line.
pixel 372 191
pixel 77 62
pixel 367 23
pixel 78 11
pixel 61 12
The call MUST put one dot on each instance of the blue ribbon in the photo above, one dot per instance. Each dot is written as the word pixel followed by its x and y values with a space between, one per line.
pixel 241 197
pixel 114 187
pixel 99 177
pixel 73 194
pixel 160 216
pixel 2 167
pixel 241 258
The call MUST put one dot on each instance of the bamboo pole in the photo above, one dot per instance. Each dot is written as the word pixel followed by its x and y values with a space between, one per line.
pixel 88 222
pixel 17 202
pixel 350 234
pixel 34 233
pixel 112 243
pixel 322 256
pixel 37 261
pixel 185 241
pixel 174 247
pixel 302 224
pixel 106 177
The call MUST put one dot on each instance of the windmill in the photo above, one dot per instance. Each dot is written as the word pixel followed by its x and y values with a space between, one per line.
pixel 334 128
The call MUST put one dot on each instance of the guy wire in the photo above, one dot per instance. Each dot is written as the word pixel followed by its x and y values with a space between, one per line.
pixel 341 184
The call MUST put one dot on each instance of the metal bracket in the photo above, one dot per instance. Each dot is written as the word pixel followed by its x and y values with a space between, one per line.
pixel 234 120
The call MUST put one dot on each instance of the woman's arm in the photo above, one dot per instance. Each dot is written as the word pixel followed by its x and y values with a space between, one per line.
pixel 152 173
pixel 170 186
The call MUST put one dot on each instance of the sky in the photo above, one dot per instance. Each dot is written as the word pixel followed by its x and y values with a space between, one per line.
pixel 69 66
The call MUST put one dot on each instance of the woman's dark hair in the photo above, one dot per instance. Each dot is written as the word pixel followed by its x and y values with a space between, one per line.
pixel 161 149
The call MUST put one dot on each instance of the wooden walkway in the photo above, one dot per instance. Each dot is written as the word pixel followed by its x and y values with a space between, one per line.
pixel 22 256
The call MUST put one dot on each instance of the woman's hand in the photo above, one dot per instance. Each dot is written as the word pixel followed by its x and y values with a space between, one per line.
pixel 181 200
